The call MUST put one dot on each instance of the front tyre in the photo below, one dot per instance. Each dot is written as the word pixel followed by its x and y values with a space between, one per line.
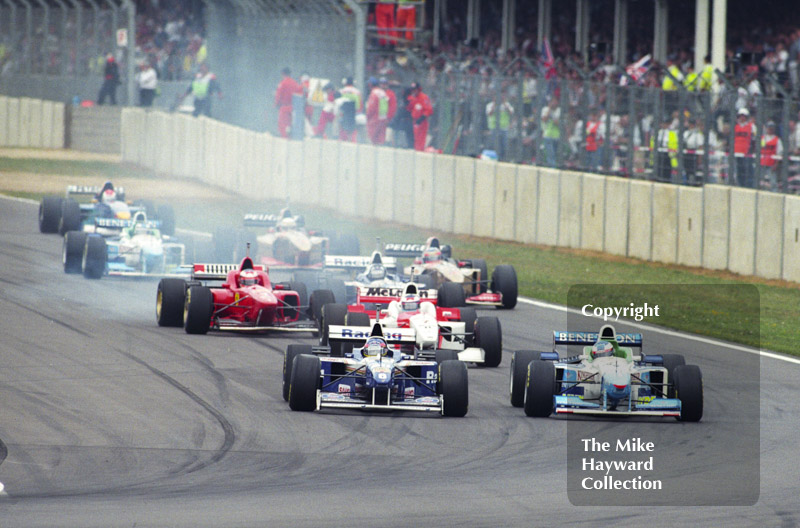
pixel 170 300
pixel 94 257
pixel 540 389
pixel 292 351
pixel 689 390
pixel 489 337
pixel 198 310
pixel 454 388
pixel 519 374
pixel 304 383
pixel 72 252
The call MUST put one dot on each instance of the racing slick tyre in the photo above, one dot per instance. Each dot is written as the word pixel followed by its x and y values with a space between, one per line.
pixel 445 355
pixel 480 264
pixel 223 240
pixel 72 253
pixel 70 219
pixel 50 214
pixel 427 281
pixel 302 293
pixel 519 373
pixel 489 337
pixel 318 299
pixel 454 388
pixel 166 215
pixel 468 317
pixel 198 309
pixel 149 208
pixel 288 363
pixel 94 257
pixel 339 290
pixel 170 300
pixel 309 278
pixel 540 386
pixel 451 295
pixel 346 244
pixel 355 319
pixel 303 383
pixel 504 281
pixel 332 314
pixel 671 362
pixel 689 390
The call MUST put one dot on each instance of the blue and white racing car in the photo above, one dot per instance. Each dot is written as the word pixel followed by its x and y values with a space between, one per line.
pixel 382 373
pixel 607 379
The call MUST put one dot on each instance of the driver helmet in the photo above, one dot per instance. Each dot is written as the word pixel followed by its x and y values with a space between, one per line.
pixel 432 255
pixel 108 196
pixel 410 302
pixel 248 277
pixel 376 347
pixel 286 224
pixel 376 272
pixel 602 349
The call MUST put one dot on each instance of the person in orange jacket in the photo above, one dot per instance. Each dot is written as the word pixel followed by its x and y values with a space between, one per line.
pixel 419 104
pixel 283 101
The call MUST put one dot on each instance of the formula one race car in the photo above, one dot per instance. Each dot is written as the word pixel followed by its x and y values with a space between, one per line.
pixel 138 250
pixel 286 242
pixel 60 215
pixel 245 301
pixel 470 338
pixel 460 282
pixel 607 379
pixel 374 376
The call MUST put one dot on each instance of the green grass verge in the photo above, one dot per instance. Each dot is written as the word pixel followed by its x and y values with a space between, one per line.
pixel 101 169
pixel 544 273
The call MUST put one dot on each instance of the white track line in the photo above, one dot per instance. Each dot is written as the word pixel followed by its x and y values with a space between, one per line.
pixel 674 333
pixel 550 306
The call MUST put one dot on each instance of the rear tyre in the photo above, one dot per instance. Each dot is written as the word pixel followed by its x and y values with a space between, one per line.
pixel 302 293
pixel 303 383
pixel 454 387
pixel 72 252
pixel 149 208
pixel 480 264
pixel 671 362
pixel 288 362
pixel 468 317
pixel 94 257
pixel 319 298
pixel 332 314
pixel 689 390
pixel 489 337
pixel 426 281
pixel 70 217
pixel 339 290
pixel 519 373
pixel 198 309
pixel 504 281
pixel 539 389
pixel 170 300
pixel 50 214
pixel 451 295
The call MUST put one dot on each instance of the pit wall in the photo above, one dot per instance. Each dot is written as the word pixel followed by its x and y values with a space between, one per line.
pixel 715 227
pixel 32 123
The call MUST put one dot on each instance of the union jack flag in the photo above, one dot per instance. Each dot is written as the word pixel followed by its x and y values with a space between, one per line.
pixel 637 70
pixel 547 60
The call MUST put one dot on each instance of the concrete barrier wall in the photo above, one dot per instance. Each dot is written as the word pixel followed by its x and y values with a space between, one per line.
pixel 483 198
pixel 769 238
pixel 3 121
pixel 593 212
pixel 715 226
pixel 13 124
pixel 742 248
pixel 665 223
pixel 615 216
pixel 640 220
pixel 791 239
pixel 690 226
pixel 527 204
pixel 505 202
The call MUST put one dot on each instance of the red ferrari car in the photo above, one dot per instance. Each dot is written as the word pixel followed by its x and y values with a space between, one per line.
pixel 245 301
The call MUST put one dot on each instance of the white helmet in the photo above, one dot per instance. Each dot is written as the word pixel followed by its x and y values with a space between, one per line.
pixel 410 302
pixel 286 224
pixel 248 277
pixel 108 196
pixel 376 272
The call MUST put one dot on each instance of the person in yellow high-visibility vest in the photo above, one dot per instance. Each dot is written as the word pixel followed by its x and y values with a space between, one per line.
pixel 665 144
pixel 498 121
pixel 707 75
pixel 692 80
pixel 668 83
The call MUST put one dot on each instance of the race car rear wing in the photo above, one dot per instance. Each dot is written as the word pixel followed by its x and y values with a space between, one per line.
pixel 589 338
pixel 93 190
pixel 112 223
pixel 403 250
pixel 356 334
pixel 269 220
pixel 216 271
pixel 385 295
pixel 357 263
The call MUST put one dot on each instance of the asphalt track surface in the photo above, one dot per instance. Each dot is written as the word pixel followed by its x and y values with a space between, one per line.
pixel 108 420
